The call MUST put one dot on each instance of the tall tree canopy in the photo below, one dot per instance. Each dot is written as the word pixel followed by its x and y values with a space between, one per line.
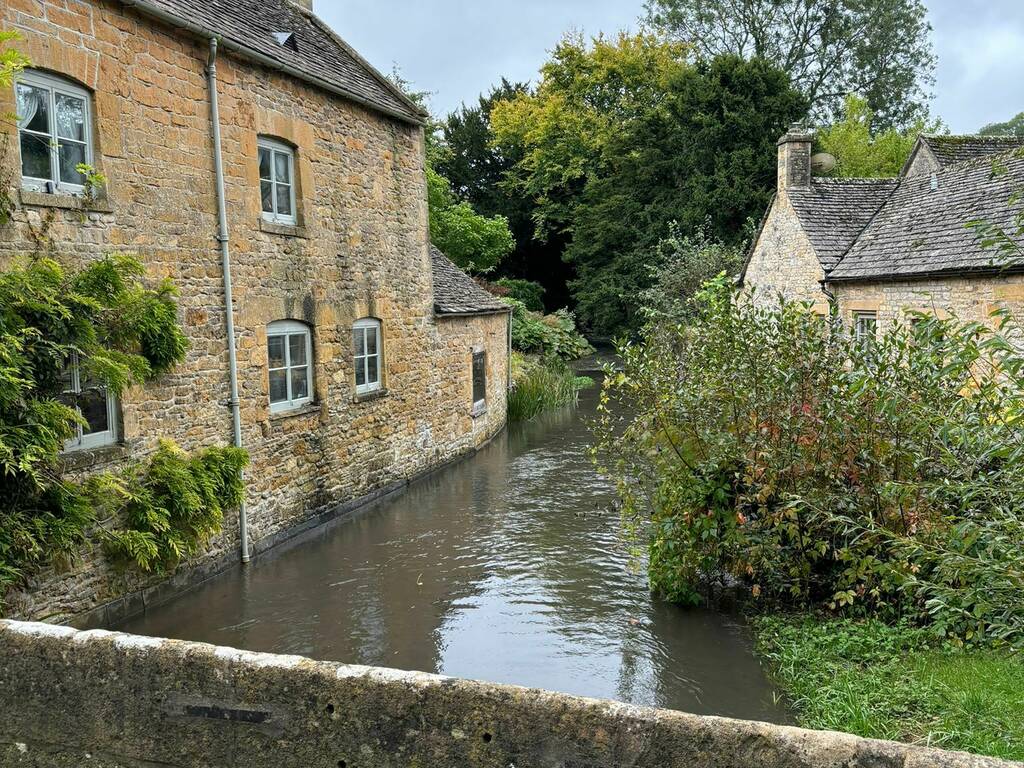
pixel 861 153
pixel 623 137
pixel 879 48
pixel 1012 127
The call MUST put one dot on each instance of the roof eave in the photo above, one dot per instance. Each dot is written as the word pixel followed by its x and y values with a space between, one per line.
pixel 156 12
pixel 1012 269
pixel 474 313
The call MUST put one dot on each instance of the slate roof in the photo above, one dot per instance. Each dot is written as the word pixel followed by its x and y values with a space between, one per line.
pixel 922 230
pixel 314 49
pixel 951 150
pixel 834 211
pixel 456 293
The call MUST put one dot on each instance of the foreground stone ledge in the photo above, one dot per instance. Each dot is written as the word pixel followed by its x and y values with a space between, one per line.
pixel 113 700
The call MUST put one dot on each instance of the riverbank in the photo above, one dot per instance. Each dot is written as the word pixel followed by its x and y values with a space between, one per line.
pixel 896 683
pixel 541 384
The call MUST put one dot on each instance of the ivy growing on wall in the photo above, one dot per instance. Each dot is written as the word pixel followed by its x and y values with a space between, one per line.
pixel 122 332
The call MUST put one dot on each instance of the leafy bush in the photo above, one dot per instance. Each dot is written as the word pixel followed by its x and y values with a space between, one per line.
pixel 170 506
pixel 540 384
pixel 528 292
pixel 553 335
pixel 770 450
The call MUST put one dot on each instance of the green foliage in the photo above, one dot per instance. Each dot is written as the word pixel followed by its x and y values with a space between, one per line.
pixel 881 478
pixel 12 61
pixel 623 137
pixel 474 242
pixel 531 294
pixel 860 153
pixel 553 335
pixel 1012 127
pixel 541 384
pixel 896 682
pixel 169 508
pixel 681 266
pixel 121 332
pixel 829 48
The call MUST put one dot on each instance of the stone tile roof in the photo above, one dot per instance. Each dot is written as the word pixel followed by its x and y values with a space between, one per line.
pixel 922 228
pixel 456 293
pixel 834 211
pixel 951 150
pixel 313 49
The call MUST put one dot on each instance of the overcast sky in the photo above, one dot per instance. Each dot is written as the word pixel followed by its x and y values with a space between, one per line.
pixel 458 48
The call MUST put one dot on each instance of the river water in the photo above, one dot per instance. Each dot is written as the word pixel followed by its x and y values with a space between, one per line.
pixel 509 567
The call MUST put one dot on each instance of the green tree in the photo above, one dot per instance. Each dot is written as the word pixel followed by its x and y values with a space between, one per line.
pixel 624 137
pixel 860 153
pixel 1012 127
pixel 829 48
pixel 474 241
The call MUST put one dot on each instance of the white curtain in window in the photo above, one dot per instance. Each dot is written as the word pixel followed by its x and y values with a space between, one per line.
pixel 29 102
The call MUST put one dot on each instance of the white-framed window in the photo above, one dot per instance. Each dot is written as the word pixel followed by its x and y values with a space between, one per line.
pixel 277 181
pixel 865 326
pixel 96 404
pixel 54 132
pixel 290 365
pixel 479 379
pixel 367 354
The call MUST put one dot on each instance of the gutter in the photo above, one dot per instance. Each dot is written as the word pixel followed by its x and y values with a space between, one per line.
pixel 229 307
pixel 206 33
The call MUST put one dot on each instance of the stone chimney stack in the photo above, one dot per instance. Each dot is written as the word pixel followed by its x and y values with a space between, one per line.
pixel 795 158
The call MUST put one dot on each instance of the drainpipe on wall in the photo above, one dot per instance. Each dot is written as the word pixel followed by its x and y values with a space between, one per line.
pixel 833 302
pixel 225 257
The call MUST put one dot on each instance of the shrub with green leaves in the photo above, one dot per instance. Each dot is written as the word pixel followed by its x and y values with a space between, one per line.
pixel 531 294
pixel 771 449
pixel 553 335
pixel 121 332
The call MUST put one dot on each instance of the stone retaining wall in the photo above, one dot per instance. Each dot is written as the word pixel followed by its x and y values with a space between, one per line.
pixel 111 700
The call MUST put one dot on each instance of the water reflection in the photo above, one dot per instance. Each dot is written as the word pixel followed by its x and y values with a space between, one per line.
pixel 507 567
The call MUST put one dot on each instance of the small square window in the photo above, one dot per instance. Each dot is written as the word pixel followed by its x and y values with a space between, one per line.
pixel 277 185
pixel 865 326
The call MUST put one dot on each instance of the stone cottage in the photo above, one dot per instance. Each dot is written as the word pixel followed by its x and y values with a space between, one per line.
pixel 364 357
pixel 876 249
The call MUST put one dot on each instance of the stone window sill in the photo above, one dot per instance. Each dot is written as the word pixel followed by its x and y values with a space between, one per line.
pixel 478 409
pixel 365 397
pixel 66 202
pixel 78 461
pixel 288 230
pixel 305 410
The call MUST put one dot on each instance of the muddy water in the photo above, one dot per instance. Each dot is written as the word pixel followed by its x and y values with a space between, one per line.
pixel 507 567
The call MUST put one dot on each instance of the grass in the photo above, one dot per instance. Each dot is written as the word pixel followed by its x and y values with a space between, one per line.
pixel 539 384
pixel 885 682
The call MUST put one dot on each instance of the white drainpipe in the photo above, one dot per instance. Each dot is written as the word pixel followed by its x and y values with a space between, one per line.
pixel 225 257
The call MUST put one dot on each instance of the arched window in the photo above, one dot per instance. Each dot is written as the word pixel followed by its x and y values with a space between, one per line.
pixel 290 364
pixel 277 180
pixel 367 354
pixel 54 132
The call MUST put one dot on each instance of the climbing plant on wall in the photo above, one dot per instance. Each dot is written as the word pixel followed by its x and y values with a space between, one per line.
pixel 120 332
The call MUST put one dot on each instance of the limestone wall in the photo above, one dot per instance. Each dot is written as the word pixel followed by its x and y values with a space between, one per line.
pixel 359 249
pixel 783 260
pixel 969 299
pixel 111 700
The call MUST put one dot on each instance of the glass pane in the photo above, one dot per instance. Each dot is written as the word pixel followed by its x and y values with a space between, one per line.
pixel 284 200
pixel 70 117
pixel 371 341
pixel 360 371
pixel 297 348
pixel 372 374
pixel 265 163
pixel 70 156
pixel 35 156
pixel 93 405
pixel 300 383
pixel 275 351
pixel 267 193
pixel 359 341
pixel 281 168
pixel 278 386
pixel 479 377
pixel 33 108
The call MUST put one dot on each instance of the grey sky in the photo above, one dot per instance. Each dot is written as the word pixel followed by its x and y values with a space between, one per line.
pixel 458 48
